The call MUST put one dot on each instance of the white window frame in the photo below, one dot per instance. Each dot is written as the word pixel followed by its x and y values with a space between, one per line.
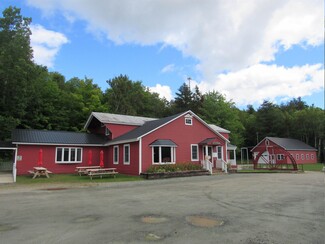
pixel 173 155
pixel 302 156
pixel 188 119
pixel 297 156
pixel 69 161
pixel 219 152
pixel 312 156
pixel 196 146
pixel 280 157
pixel 107 132
pixel 126 158
pixel 307 156
pixel 115 154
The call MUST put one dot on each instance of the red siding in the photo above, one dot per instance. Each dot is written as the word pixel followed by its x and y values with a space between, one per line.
pixel 30 153
pixel 183 135
pixel 118 130
pixel 133 167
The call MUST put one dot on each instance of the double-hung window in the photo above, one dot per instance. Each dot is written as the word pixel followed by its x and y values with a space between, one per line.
pixel 219 152
pixel 68 155
pixel 194 152
pixel 115 154
pixel 126 154
pixel 279 156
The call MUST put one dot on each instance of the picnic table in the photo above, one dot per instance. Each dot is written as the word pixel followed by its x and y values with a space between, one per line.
pixel 83 170
pixel 101 171
pixel 40 171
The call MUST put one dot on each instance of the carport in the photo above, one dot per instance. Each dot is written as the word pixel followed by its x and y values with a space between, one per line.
pixel 8 169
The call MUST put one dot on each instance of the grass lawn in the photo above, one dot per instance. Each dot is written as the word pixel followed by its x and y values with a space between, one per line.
pixel 74 178
pixel 304 167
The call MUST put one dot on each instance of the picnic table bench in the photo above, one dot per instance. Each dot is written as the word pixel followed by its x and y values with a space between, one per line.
pixel 101 171
pixel 40 171
pixel 83 170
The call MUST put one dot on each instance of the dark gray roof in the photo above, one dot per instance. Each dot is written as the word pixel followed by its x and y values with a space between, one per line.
pixel 142 130
pixel 6 144
pixel 163 143
pixel 291 144
pixel 27 136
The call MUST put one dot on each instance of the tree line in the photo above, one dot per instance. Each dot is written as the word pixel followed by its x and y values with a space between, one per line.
pixel 33 97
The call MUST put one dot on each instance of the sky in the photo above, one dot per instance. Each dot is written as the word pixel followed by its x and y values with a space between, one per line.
pixel 249 51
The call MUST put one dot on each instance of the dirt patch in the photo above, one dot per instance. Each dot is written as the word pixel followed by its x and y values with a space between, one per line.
pixel 86 219
pixel 204 221
pixel 55 189
pixel 153 219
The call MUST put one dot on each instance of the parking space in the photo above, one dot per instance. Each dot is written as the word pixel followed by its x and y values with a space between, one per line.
pixel 236 208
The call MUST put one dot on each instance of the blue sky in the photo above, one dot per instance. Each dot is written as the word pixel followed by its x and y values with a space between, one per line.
pixel 249 51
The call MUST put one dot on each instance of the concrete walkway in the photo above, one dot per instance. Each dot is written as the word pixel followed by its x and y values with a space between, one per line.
pixel 6 177
pixel 236 208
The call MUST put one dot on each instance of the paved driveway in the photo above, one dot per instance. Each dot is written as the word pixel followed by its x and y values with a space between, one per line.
pixel 237 208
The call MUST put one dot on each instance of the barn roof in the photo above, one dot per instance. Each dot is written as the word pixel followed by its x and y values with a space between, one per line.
pixel 152 125
pixel 27 136
pixel 106 118
pixel 288 144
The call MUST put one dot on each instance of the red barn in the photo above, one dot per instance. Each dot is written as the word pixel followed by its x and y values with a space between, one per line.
pixel 129 143
pixel 277 150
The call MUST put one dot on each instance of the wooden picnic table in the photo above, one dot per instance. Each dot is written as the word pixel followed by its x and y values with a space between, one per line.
pixel 40 171
pixel 83 170
pixel 102 171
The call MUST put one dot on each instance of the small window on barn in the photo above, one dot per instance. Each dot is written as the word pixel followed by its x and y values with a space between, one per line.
pixel 126 155
pixel 302 156
pixel 68 155
pixel 107 132
pixel 312 156
pixel 307 156
pixel 297 156
pixel 188 120
pixel 279 156
pixel 194 152
pixel 115 155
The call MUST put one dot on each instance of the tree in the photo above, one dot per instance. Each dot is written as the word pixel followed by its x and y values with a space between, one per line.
pixel 15 67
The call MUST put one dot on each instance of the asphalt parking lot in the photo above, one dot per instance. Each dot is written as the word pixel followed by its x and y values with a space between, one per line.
pixel 237 208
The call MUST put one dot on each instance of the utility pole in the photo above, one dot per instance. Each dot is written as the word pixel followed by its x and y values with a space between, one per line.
pixel 189 82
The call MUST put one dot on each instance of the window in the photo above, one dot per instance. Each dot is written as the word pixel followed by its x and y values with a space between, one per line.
pixel 312 156
pixel 126 155
pixel 297 156
pixel 219 152
pixel 279 156
pixel 107 132
pixel 307 156
pixel 194 152
pixel 302 156
pixel 115 155
pixel 188 120
pixel 68 155
pixel 163 155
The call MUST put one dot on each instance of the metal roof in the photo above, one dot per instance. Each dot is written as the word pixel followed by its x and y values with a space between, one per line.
pixel 219 129
pixel 291 144
pixel 27 136
pixel 169 143
pixel 118 119
pixel 288 144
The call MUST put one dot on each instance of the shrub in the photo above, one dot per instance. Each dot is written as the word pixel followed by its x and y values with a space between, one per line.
pixel 174 167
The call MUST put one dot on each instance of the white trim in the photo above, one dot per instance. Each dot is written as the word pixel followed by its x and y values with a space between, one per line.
pixel 121 142
pixel 126 162
pixel 140 156
pixel 172 154
pixel 116 154
pixel 197 152
pixel 62 156
pixel 188 120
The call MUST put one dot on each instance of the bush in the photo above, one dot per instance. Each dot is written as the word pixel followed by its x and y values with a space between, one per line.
pixel 174 167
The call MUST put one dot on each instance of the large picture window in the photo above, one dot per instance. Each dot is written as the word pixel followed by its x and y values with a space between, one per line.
pixel 68 155
pixel 194 152
pixel 163 155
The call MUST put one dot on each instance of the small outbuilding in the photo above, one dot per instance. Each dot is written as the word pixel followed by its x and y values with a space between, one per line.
pixel 275 150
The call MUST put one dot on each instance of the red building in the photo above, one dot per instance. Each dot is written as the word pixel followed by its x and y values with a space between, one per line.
pixel 276 150
pixel 129 143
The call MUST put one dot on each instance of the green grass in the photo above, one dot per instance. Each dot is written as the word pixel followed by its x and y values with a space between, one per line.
pixel 74 178
pixel 311 167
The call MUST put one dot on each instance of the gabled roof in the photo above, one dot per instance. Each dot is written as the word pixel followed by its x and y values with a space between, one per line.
pixel 106 118
pixel 153 125
pixel 288 144
pixel 218 128
pixel 27 136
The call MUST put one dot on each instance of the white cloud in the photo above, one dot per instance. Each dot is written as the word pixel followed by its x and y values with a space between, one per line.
pixel 168 68
pixel 260 82
pixel 223 35
pixel 46 44
pixel 163 91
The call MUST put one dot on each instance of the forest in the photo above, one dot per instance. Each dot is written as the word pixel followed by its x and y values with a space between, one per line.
pixel 33 97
